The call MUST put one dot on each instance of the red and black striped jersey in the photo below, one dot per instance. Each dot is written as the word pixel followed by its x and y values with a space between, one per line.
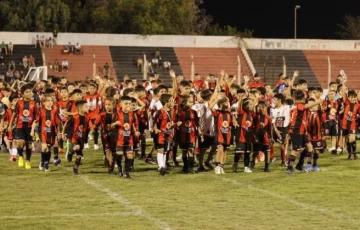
pixel 164 121
pixel 48 119
pixel 314 125
pixel 126 129
pixel 26 112
pixel 298 116
pixel 189 123
pixel 222 122
pixel 350 114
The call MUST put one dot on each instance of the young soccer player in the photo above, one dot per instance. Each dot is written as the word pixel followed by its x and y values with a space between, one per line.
pixel 164 130
pixel 48 120
pixel 24 115
pixel 297 127
pixel 94 102
pixel 127 128
pixel 79 123
pixel 330 125
pixel 8 135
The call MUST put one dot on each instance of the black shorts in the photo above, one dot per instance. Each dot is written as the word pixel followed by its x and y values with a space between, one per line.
pixel 167 146
pixel 124 149
pixel 243 147
pixel 23 134
pixel 317 145
pixel 186 146
pixel 346 132
pixel 260 147
pixel 283 132
pixel 206 143
pixel 330 129
pixel 298 141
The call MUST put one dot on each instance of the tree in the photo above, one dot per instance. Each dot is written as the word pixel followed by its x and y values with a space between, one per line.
pixel 351 28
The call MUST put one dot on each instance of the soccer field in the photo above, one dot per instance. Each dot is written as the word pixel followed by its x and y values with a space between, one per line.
pixel 32 199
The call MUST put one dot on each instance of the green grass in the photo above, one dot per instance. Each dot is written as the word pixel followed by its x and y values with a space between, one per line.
pixel 31 199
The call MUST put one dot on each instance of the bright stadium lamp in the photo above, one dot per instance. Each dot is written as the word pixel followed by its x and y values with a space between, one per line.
pixel 295 21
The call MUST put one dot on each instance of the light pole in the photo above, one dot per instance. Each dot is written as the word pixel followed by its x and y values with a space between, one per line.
pixel 295 21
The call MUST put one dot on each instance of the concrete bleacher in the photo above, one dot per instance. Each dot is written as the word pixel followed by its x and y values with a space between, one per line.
pixel 340 60
pixel 19 52
pixel 80 66
pixel 124 58
pixel 212 60
pixel 273 59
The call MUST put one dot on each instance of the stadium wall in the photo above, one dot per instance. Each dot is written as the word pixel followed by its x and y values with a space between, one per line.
pixel 183 41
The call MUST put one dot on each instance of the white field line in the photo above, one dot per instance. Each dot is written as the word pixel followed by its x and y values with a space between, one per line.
pixel 294 202
pixel 136 209
pixel 84 215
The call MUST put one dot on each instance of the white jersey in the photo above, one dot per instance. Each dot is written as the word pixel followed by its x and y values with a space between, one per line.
pixel 206 120
pixel 280 117
pixel 155 105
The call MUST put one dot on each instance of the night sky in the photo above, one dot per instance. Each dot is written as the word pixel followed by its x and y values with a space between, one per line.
pixel 275 19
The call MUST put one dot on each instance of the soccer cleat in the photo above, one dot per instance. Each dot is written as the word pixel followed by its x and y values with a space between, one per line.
pixel 308 168
pixel 247 170
pixel 75 171
pixel 86 146
pixel 217 170
pixel 61 150
pixel 162 171
pixel 175 164
pixel 316 168
pixel 127 175
pixel 339 150
pixel 120 173
pixel 331 149
pixel 90 137
pixel 202 169
pixel 41 166
pixel 272 160
pixel 27 165
pixel 267 170
pixel 96 147
pixel 290 171
pixel 150 161
pixel 69 156
pixel 222 170
pixel 299 167
pixel 57 162
pixel 284 164
pixel 47 170
pixel 207 164
pixel 111 171
pixel 21 162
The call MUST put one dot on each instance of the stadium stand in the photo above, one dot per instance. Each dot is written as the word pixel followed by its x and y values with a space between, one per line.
pixel 340 60
pixel 80 66
pixel 212 60
pixel 19 52
pixel 124 59
pixel 273 60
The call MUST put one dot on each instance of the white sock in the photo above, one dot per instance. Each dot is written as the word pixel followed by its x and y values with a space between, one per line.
pixel 13 151
pixel 160 160
pixel 164 160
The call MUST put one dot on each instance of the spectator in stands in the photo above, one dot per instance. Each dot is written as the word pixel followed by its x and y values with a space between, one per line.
pixel 25 62
pixel 65 65
pixel 37 41
pixel 55 34
pixel 256 83
pixel 106 69
pixel 31 61
pixel 42 41
pixel 77 49
pixel 17 74
pixel 12 65
pixel 155 62
pixel 3 47
pixel 9 75
pixel 10 48
pixel 157 54
pixel 50 42
pixel 140 64
pixel 70 48
pixel 149 68
pixel 167 66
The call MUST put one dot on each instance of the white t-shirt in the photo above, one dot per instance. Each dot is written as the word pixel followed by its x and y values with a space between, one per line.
pixel 206 118
pixel 280 116
pixel 155 105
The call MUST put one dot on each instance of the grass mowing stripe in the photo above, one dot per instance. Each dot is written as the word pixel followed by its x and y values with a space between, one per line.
pixel 292 201
pixel 137 210
pixel 84 215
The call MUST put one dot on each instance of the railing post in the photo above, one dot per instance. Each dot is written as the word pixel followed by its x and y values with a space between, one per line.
pixel 192 68
pixel 94 66
pixel 239 70
pixel 145 68
pixel 329 71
